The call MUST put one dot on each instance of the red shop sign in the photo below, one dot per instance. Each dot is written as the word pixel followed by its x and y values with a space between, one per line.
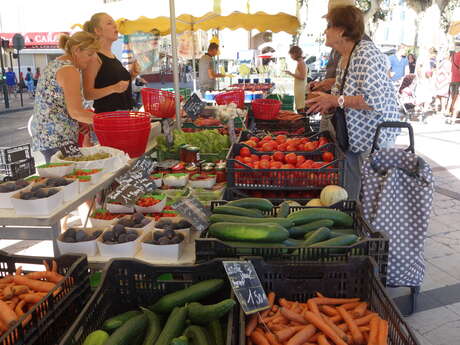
pixel 35 39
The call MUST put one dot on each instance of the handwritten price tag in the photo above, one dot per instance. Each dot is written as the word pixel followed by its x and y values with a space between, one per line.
pixel 70 149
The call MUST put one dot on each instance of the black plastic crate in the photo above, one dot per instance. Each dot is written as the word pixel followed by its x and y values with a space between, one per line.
pixel 18 170
pixel 374 244
pixel 55 313
pixel 129 283
pixel 14 153
pixel 276 197
pixel 354 278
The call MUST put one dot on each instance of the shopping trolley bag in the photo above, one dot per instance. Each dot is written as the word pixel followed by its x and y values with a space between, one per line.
pixel 396 195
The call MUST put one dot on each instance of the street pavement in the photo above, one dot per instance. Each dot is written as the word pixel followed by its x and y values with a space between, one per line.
pixel 437 320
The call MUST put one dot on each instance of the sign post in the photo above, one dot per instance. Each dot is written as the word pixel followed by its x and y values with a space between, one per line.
pixel 18 44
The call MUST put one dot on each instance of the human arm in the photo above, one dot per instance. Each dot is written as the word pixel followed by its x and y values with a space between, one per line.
pixel 69 79
pixel 89 78
pixel 214 75
pixel 300 73
pixel 324 103
pixel 135 71
pixel 323 85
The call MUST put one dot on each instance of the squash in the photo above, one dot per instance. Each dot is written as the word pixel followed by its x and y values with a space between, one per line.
pixel 332 194
pixel 314 203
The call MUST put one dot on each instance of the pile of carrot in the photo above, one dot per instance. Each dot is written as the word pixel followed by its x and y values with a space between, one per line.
pixel 285 115
pixel 20 292
pixel 318 321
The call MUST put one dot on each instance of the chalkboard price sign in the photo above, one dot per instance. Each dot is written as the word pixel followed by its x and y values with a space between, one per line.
pixel 70 149
pixel 145 164
pixel 246 285
pixel 194 211
pixel 126 194
pixel 194 106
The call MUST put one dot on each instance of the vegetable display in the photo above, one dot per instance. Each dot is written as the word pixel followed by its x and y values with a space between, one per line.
pixel 209 141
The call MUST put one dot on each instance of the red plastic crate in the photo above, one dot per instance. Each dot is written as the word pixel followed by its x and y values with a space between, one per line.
pixel 236 97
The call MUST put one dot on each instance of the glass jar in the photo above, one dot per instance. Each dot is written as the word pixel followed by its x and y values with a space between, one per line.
pixel 221 174
pixel 191 154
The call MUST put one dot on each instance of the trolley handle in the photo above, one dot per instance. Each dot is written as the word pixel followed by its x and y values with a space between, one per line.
pixel 394 124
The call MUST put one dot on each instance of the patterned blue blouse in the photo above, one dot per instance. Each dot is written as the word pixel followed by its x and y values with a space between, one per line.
pixel 368 76
pixel 51 123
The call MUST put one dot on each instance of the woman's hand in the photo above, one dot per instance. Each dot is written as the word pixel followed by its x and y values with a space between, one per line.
pixel 120 87
pixel 322 103
pixel 289 73
pixel 136 69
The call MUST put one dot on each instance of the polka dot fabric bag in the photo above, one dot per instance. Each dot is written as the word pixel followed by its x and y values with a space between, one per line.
pixel 397 194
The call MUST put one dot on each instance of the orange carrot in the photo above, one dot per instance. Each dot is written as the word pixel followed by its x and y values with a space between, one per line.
pixel 359 310
pixel 374 330
pixel 18 310
pixel 54 266
pixel 34 284
pixel 287 333
pixel 349 306
pixel 7 279
pixel 251 324
pixel 48 275
pixel 272 339
pixel 336 318
pixel 19 290
pixel 329 311
pixel 322 326
pixel 275 308
pixel 314 338
pixel 326 300
pixel 278 327
pixel 322 340
pixel 13 302
pixel 271 301
pixel 302 336
pixel 258 338
pixel 8 292
pixel 31 298
pixel 291 315
pixel 7 315
pixel 47 266
pixel 3 327
pixel 364 329
pixel 336 329
pixel 383 333
pixel 284 303
pixel 18 271
pixel 270 318
pixel 358 338
pixel 312 306
pixel 319 294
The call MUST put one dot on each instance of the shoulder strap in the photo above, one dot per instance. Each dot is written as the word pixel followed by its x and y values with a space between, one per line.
pixel 346 69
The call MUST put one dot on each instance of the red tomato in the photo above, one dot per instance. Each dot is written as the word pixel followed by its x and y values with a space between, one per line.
pixel 245 152
pixel 282 147
pixel 247 160
pixel 255 139
pixel 304 140
pixel 275 165
pixel 255 158
pixel 310 146
pixel 268 147
pixel 239 158
pixel 250 143
pixel 264 164
pixel 300 159
pixel 256 165
pixel 250 165
pixel 291 158
pixel 278 156
pixel 328 156
pixel 267 138
pixel 265 157
pixel 291 148
pixel 315 144
pixel 317 165
pixel 288 166
pixel 281 139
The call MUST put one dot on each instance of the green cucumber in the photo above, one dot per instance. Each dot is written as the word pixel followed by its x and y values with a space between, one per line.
pixel 341 241
pixel 300 230
pixel 322 234
pixel 311 214
pixel 203 314
pixel 291 242
pixel 219 218
pixel 114 322
pixel 238 211
pixel 182 340
pixel 248 232
pixel 216 332
pixel 344 230
pixel 153 328
pixel 337 233
pixel 198 335
pixel 129 331
pixel 173 327
pixel 96 338
pixel 193 293
pixel 252 203
pixel 283 210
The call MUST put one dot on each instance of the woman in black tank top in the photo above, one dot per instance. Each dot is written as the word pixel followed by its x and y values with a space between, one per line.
pixel 105 80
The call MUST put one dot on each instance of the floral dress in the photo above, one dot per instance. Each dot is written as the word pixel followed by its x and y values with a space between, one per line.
pixel 51 124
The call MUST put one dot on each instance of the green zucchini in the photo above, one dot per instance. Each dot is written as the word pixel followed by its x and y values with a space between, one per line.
pixel 198 335
pixel 247 232
pixel 193 293
pixel 182 340
pixel 203 314
pixel 341 241
pixel 252 203
pixel 114 322
pixel 219 218
pixel 128 332
pixel 311 214
pixel 337 233
pixel 300 230
pixel 216 332
pixel 153 328
pixel 283 210
pixel 238 211
pixel 96 338
pixel 173 327
pixel 322 234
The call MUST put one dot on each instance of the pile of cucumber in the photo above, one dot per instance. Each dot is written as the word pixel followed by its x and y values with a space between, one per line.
pixel 175 319
pixel 243 222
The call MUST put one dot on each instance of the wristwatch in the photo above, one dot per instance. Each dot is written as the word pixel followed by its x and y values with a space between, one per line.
pixel 341 101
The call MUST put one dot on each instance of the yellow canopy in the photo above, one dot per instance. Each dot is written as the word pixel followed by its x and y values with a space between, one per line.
pixel 454 28
pixel 237 20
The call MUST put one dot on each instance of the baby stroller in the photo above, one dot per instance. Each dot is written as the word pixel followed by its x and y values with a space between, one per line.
pixel 411 107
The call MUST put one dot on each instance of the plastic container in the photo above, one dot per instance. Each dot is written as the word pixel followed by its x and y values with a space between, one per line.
pixel 266 109
pixel 175 180
pixel 159 103
pixel 5 198
pixel 15 153
pixel 299 281
pixel 88 248
pixel 121 250
pixel 71 190
pixel 60 170
pixel 38 207
pixel 155 208
pixel 207 183
pixel 158 179
pixel 184 231
pixel 372 243
pixel 167 253
pixel 115 208
pixel 102 223
pixel 133 283
pixel 236 97
pixel 146 227
pixel 96 176
pixel 53 317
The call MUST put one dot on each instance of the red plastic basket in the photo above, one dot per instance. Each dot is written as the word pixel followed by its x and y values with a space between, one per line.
pixel 266 109
pixel 236 97
pixel 159 103
pixel 126 131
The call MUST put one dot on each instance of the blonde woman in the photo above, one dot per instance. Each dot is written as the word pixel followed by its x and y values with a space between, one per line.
pixel 300 77
pixel 105 80
pixel 58 103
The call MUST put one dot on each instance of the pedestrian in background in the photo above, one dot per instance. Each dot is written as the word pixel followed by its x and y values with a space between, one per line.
pixel 412 63
pixel 11 81
pixel 300 78
pixel 36 76
pixel 29 81
pixel 442 77
pixel 399 65
pixel 455 84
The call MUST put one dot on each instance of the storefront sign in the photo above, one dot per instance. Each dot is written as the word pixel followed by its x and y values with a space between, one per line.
pixel 35 39
pixel 246 285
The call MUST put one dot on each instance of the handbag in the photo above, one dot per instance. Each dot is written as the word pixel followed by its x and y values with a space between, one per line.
pixel 338 119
